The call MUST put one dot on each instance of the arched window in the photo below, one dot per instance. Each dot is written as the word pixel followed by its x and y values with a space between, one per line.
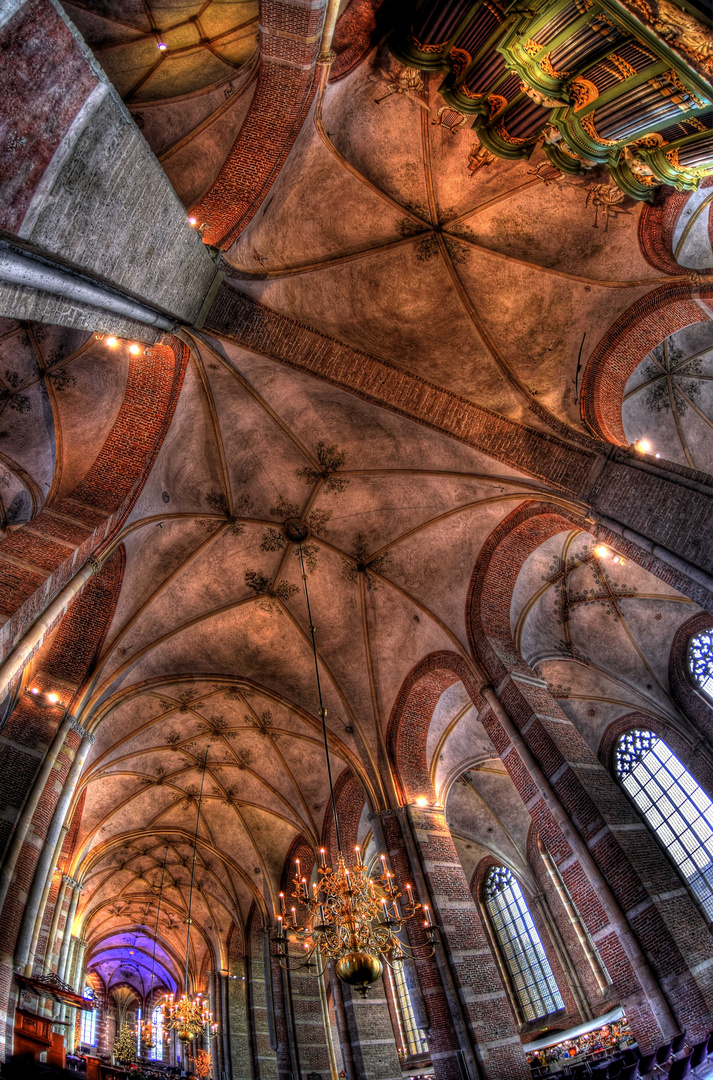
pixel 157 1032
pixel 520 944
pixel 89 1020
pixel 700 661
pixel 412 1040
pixel 674 805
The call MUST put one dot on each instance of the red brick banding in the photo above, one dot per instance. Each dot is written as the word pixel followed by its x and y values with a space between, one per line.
pixel 411 716
pixel 44 81
pixel 634 334
pixel 658 222
pixel 100 502
pixel 356 32
pixel 350 798
pixel 289 44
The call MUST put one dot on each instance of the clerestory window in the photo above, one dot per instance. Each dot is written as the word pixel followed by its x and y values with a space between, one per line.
pixel 520 945
pixel 700 661
pixel 674 805
pixel 89 1020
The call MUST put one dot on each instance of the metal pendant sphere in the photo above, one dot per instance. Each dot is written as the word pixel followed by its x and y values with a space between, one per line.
pixel 359 970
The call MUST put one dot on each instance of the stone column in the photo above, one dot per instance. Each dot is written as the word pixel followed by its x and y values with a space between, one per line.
pixel 225 1028
pixel 46 861
pixel 215 1041
pixel 620 880
pixel 59 904
pixel 472 1028
pixel 371 1034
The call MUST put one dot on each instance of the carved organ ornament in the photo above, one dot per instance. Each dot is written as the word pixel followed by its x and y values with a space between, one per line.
pixel 622 83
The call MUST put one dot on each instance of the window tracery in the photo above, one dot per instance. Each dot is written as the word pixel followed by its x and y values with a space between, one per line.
pixel 675 807
pixel 89 1020
pixel 700 661
pixel 520 944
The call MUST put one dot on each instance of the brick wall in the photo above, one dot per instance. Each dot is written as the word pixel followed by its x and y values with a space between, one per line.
pixel 289 43
pixel 76 168
pixel 689 699
pixel 478 981
pixel 634 334
pixel 658 908
pixel 39 559
pixel 303 996
pixel 27 735
pixel 240 1051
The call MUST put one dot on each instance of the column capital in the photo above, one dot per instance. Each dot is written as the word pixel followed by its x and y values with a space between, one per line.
pixel 74 725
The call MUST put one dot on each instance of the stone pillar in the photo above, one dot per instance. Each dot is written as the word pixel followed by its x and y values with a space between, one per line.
pixel 371 1034
pixel 308 1020
pixel 340 1018
pixel 33 907
pixel 75 979
pixel 262 1017
pixel 472 1028
pixel 639 914
pixel 216 1042
pixel 58 905
pixel 240 1050
pixel 225 1013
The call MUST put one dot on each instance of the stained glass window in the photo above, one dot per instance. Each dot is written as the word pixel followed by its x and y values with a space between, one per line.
pixel 521 946
pixel 674 805
pixel 157 1033
pixel 413 1041
pixel 700 659
pixel 89 1020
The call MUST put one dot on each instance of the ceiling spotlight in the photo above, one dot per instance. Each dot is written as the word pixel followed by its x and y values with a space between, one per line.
pixel 134 350
pixel 162 46
pixel 601 552
pixel 643 446
pixel 192 221
pixel 53 698
pixel 112 342
pixel 421 801
pixel 34 690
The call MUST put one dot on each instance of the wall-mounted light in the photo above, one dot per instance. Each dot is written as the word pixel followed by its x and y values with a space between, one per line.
pixel 42 697
pixel 134 350
pixel 112 342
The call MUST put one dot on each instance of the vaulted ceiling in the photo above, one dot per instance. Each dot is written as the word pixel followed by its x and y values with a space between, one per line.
pixel 393 233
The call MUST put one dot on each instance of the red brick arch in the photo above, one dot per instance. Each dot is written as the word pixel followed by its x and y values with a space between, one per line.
pixel 683 689
pixel 500 560
pixel 350 797
pixel 634 334
pixel 657 224
pixel 411 717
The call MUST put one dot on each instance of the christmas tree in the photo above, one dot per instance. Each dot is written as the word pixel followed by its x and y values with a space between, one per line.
pixel 204 1064
pixel 125 1045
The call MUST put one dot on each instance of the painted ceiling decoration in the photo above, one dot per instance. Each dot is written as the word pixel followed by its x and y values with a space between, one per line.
pixel 591 81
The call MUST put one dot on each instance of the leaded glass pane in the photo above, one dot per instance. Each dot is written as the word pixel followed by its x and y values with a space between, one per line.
pixel 520 943
pixel 673 804
pixel 700 660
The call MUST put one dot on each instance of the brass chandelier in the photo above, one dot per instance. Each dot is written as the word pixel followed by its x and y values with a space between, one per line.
pixel 189 1016
pixel 353 918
